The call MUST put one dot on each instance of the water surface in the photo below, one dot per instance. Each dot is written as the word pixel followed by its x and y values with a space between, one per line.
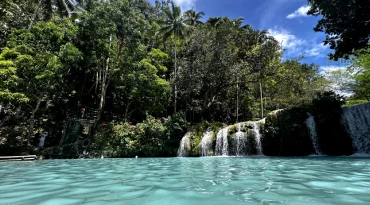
pixel 176 181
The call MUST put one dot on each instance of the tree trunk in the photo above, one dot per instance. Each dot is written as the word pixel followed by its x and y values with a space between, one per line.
pixel 32 120
pixel 105 76
pixel 175 80
pixel 237 99
pixel 103 90
pixel 261 100
pixel 67 9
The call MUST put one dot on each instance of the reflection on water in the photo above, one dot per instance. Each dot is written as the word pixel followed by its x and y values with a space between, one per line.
pixel 213 180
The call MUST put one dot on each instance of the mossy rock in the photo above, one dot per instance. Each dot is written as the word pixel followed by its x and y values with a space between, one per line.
pixel 285 133
pixel 196 135
pixel 251 142
pixel 233 129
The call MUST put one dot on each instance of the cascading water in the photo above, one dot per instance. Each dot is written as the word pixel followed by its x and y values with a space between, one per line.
pixel 206 144
pixel 240 141
pixel 183 149
pixel 257 136
pixel 311 125
pixel 222 145
pixel 356 120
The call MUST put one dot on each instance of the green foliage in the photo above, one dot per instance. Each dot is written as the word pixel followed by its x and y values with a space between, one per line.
pixel 173 22
pixel 193 18
pixel 350 102
pixel 9 80
pixel 347 30
pixel 285 133
pixel 197 132
pixel 294 84
pixel 150 138
pixel 361 70
pixel 11 138
pixel 35 56
pixel 340 80
pixel 332 137
pixel 222 63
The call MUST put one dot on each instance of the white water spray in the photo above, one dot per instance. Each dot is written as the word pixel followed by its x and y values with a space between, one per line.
pixel 257 136
pixel 239 141
pixel 356 120
pixel 206 144
pixel 184 144
pixel 222 145
pixel 311 125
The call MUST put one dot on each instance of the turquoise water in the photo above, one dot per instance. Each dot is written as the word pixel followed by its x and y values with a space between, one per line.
pixel 175 181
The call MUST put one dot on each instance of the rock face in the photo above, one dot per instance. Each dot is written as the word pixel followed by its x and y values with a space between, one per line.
pixel 293 132
pixel 356 120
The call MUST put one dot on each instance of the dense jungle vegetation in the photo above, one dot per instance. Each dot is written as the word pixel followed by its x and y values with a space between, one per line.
pixel 147 73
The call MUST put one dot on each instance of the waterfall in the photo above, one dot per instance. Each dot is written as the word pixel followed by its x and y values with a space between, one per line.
pixel 206 144
pixel 183 149
pixel 257 135
pixel 239 141
pixel 311 125
pixel 356 120
pixel 222 145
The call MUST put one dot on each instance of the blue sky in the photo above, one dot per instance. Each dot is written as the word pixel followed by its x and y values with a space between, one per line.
pixel 286 20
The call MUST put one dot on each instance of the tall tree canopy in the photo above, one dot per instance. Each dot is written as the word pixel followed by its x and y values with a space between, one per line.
pixel 345 22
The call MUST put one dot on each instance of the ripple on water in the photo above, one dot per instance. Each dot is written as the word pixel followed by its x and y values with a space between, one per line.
pixel 217 180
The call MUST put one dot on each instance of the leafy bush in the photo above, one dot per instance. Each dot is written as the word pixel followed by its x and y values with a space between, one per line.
pixel 150 138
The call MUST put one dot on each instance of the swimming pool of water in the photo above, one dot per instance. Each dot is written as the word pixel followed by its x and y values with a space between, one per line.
pixel 176 181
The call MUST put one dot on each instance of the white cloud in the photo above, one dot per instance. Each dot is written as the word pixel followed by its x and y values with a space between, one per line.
pixel 287 40
pixel 185 4
pixel 296 46
pixel 301 12
pixel 316 50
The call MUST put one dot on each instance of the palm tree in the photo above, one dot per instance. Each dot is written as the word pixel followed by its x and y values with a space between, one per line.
pixel 173 24
pixel 214 21
pixel 193 18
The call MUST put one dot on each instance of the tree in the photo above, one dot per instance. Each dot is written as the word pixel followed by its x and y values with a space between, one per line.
pixel 138 88
pixel 173 24
pixel 19 14
pixel 294 84
pixel 262 55
pixel 9 80
pixel 206 71
pixel 112 32
pixel 361 75
pixel 36 56
pixel 340 81
pixel 193 18
pixel 346 24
